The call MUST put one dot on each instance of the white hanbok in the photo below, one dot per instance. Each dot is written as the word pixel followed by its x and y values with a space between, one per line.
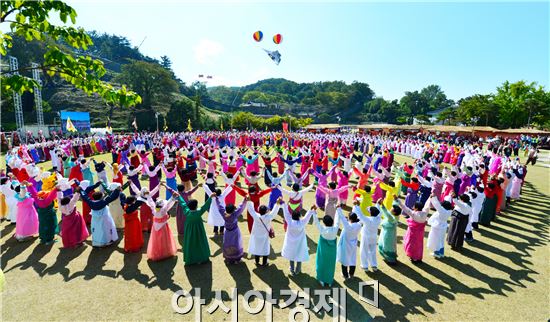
pixel 369 238
pixel 295 243
pixel 439 223
pixel 103 228
pixel 346 251
pixel 259 244
pixel 214 216
pixel 11 201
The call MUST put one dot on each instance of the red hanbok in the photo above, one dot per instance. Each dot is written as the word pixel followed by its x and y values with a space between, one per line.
pixel 133 238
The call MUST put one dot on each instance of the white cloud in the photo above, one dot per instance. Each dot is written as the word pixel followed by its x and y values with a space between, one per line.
pixel 207 50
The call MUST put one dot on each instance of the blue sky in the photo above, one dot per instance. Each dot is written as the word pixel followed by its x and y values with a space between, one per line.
pixel 465 47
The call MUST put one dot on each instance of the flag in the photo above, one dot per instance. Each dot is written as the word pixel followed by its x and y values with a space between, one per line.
pixel 189 128
pixel 134 124
pixel 69 126
pixel 285 127
pixel 165 125
pixel 108 127
pixel 221 125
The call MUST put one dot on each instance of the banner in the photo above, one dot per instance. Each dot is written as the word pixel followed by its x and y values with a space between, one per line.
pixel 79 120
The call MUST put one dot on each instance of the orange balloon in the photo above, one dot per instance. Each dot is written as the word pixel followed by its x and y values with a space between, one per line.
pixel 277 38
pixel 258 35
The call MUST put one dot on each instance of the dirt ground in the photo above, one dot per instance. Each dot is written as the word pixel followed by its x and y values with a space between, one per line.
pixel 502 275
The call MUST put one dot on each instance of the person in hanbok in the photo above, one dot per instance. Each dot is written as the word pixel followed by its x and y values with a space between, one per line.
pixel 161 244
pixel 133 237
pixel 11 202
pixel 145 212
pixel 47 216
pixel 104 231
pixel 295 198
pixel 476 202
pixel 255 195
pixel 365 196
pixel 413 240
pixel 195 244
pixel 89 190
pixel 488 210
pixel 232 246
pixel 325 261
pixel 517 182
pixel 215 217
pixel 26 225
pixel 369 235
pixel 73 227
pixel 459 222
pixel 412 191
pixel 171 180
pixel 154 181
pixel 322 180
pixel 259 244
pixel 347 245
pixel 387 242
pixel 438 223
pixel 295 243
pixel 115 208
pixel 332 194
pixel 180 216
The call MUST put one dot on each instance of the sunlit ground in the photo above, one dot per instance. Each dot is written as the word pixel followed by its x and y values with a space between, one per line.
pixel 502 275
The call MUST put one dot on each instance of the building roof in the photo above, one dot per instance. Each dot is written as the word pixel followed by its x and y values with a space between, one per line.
pixel 429 128
pixel 524 131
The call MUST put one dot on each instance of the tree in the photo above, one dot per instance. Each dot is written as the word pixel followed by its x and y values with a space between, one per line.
pixel 324 118
pixel 519 103
pixel 447 116
pixel 435 98
pixel 390 111
pixel 165 62
pixel 480 106
pixel 30 19
pixel 149 80
pixel 180 112
pixel 360 93
pixel 414 104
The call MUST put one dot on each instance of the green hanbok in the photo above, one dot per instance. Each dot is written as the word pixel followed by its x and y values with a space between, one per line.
pixel 387 242
pixel 195 243
pixel 47 219
pixel 326 260
pixel 488 210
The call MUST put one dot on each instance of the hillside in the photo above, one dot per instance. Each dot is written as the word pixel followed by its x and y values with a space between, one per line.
pixel 116 53
pixel 513 104
pixel 280 96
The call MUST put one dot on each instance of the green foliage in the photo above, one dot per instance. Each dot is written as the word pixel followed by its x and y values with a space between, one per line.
pixel 324 118
pixel 246 120
pixel 414 103
pixel 478 106
pixel 514 105
pixel 29 20
pixel 521 103
pixel 447 116
pixel 180 112
pixel 150 80
pixel 330 97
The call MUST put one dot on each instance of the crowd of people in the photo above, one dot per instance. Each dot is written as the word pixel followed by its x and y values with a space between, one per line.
pixel 450 185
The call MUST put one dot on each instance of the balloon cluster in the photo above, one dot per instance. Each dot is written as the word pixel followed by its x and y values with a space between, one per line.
pixel 259 35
